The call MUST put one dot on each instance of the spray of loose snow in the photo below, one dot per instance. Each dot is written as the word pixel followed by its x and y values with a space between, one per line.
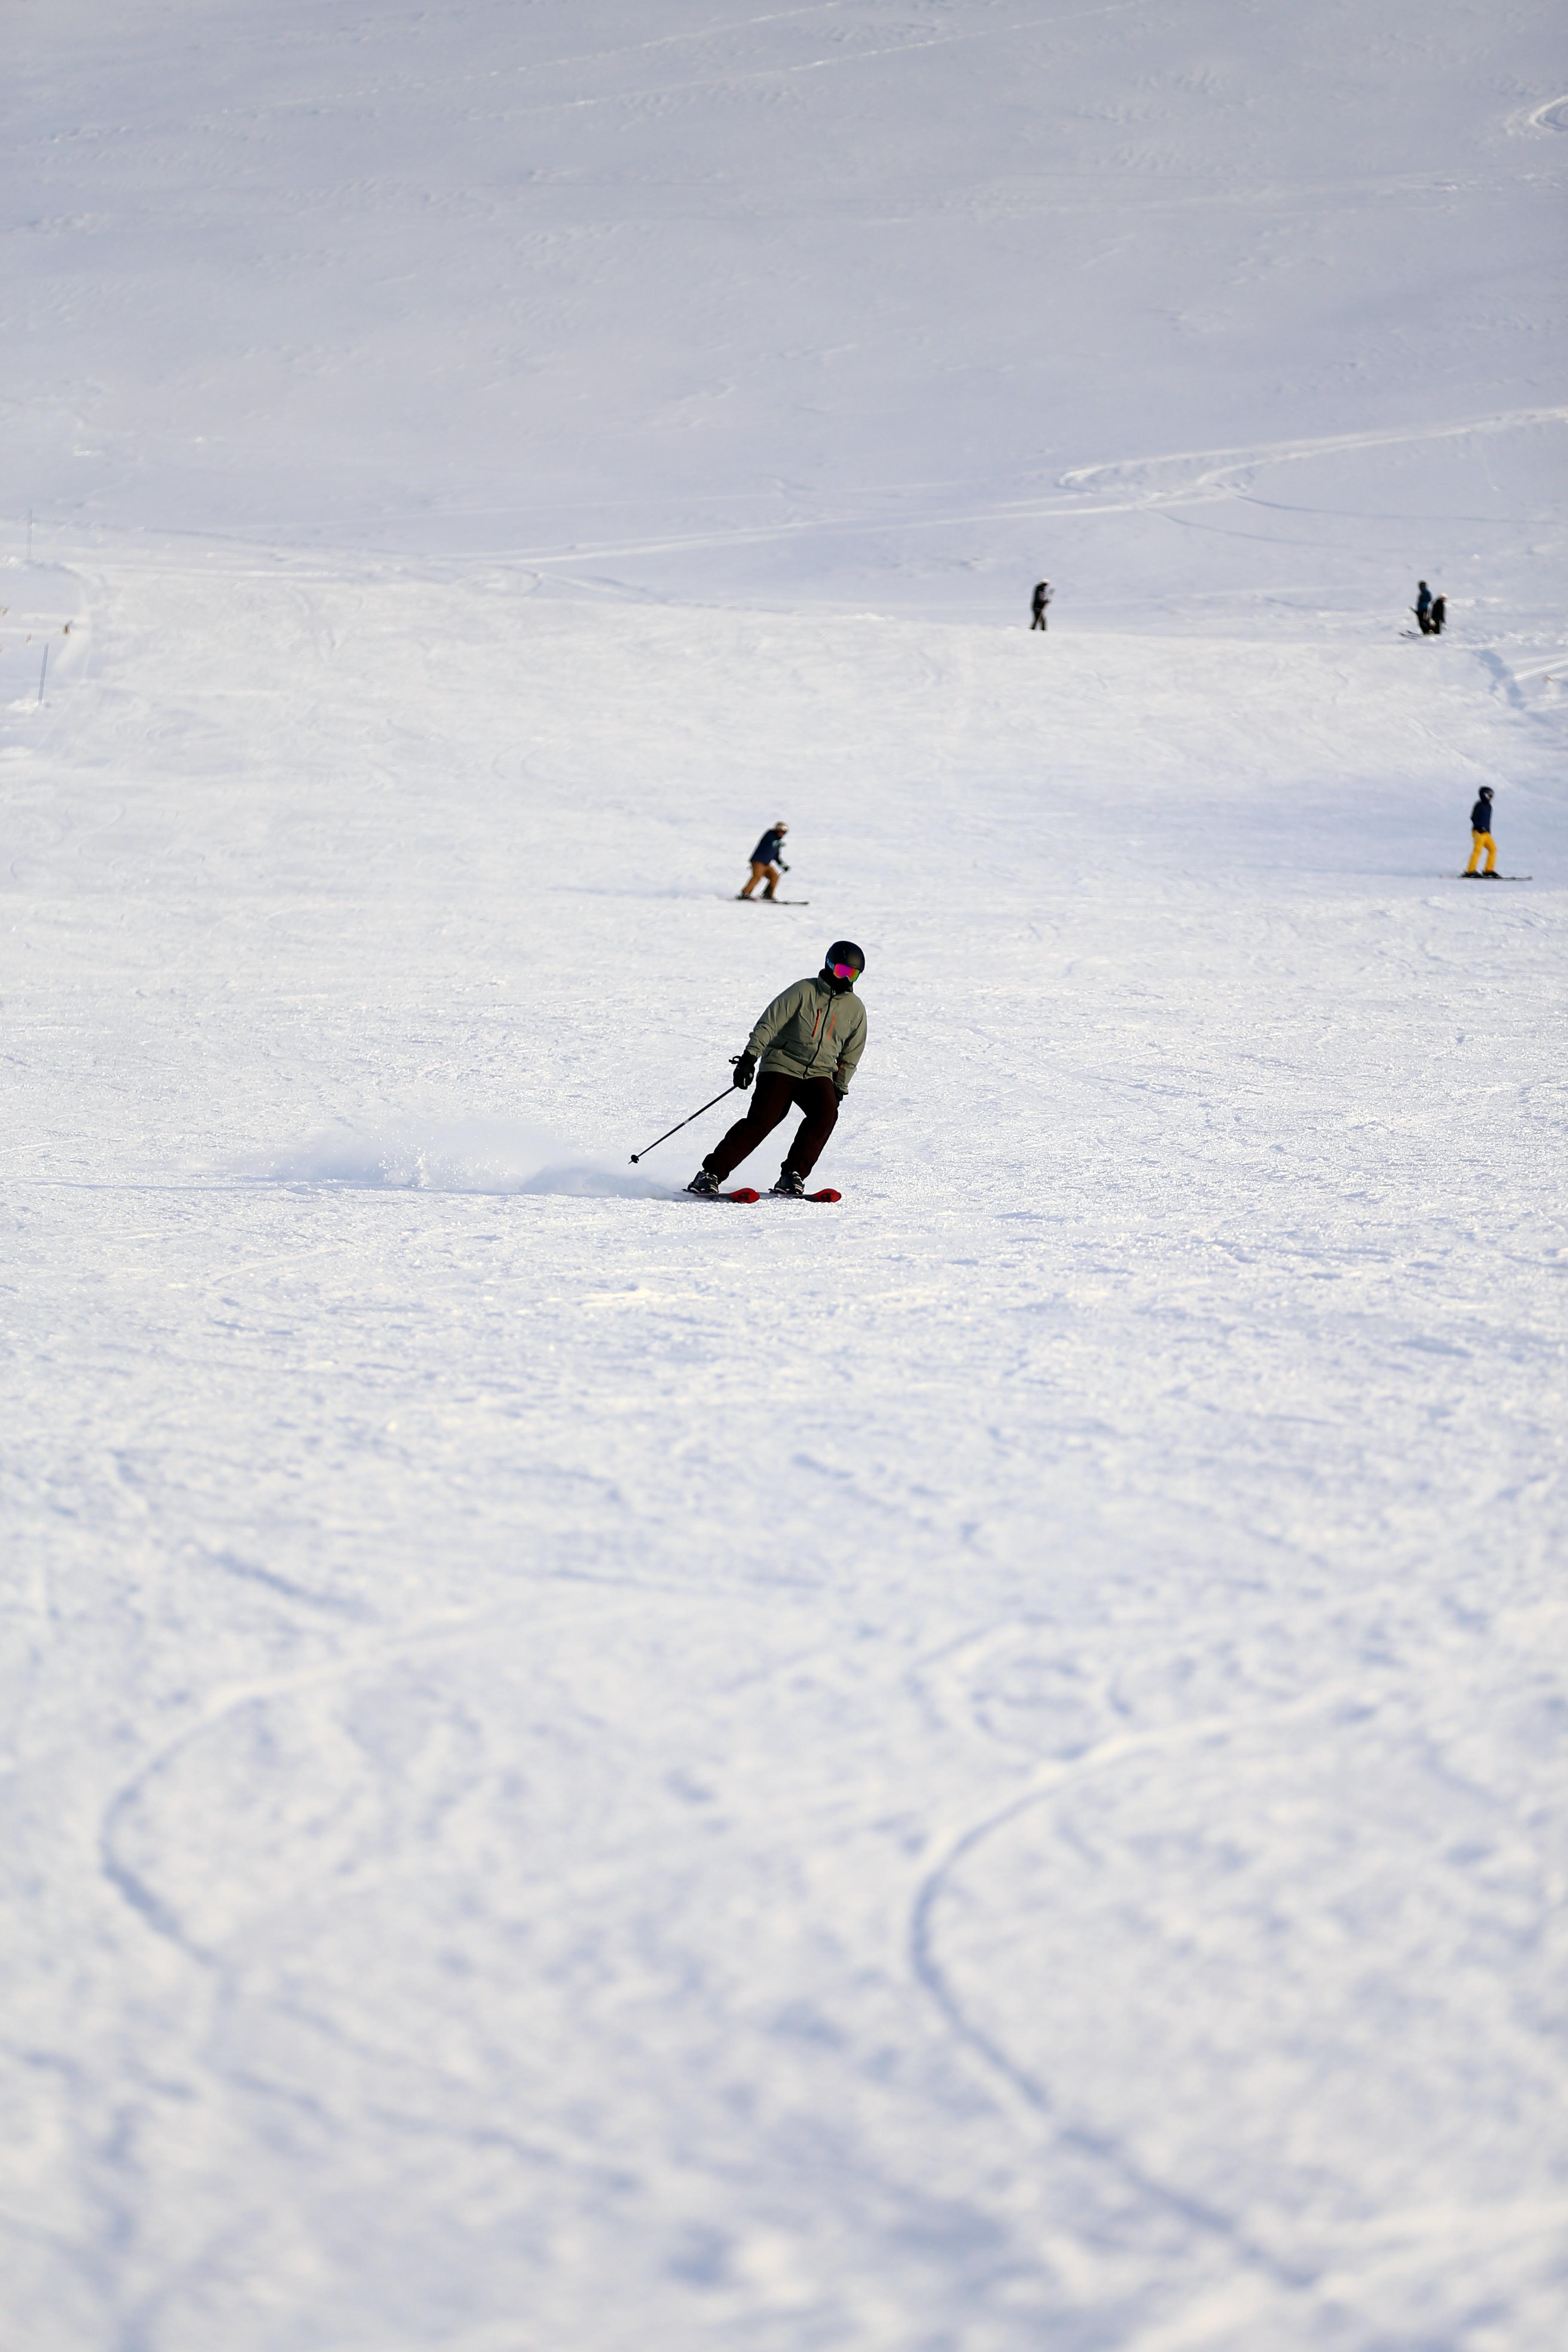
pixel 428 1155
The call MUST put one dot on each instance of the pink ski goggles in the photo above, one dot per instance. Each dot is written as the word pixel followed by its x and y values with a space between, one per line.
pixel 844 970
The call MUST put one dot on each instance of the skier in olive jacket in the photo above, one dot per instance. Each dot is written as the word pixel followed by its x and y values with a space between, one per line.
pixel 808 1042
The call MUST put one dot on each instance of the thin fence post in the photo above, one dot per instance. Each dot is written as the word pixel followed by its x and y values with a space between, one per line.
pixel 43 673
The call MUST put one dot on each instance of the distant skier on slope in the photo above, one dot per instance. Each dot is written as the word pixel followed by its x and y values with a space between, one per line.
pixel 809 1042
pixel 1481 837
pixel 1037 602
pixel 1423 608
pixel 767 858
pixel 1440 616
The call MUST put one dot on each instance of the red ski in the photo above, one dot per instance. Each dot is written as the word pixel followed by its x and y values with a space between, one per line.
pixel 744 1193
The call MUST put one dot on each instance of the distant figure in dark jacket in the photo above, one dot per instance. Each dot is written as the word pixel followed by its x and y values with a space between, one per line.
pixel 1482 835
pixel 767 860
pixel 1037 602
pixel 1423 608
pixel 1440 614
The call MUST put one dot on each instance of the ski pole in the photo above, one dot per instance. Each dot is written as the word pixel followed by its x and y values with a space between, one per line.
pixel 680 1123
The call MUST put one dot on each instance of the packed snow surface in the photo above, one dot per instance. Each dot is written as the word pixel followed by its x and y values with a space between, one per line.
pixel 982 1770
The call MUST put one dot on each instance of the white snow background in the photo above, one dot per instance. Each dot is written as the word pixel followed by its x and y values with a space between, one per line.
pixel 980 1770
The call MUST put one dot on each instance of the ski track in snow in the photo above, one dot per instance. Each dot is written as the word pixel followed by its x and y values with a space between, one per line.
pixel 1142 485
pixel 1286 2288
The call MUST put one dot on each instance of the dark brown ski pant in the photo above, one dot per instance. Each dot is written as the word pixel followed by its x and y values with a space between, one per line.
pixel 774 1096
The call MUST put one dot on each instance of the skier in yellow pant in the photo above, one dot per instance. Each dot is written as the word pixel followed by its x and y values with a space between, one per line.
pixel 1481 838
pixel 767 862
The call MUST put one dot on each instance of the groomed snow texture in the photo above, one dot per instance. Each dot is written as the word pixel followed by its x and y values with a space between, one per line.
pixel 981 1770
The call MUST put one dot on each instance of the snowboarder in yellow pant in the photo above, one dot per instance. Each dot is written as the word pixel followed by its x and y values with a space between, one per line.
pixel 1481 837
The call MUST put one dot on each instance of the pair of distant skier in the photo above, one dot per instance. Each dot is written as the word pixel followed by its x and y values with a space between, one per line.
pixel 1431 611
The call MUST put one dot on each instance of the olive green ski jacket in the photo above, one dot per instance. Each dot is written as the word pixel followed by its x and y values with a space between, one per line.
pixel 810 1032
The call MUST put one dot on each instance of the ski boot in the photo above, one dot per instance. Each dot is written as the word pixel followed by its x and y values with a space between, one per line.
pixel 704 1183
pixel 792 1186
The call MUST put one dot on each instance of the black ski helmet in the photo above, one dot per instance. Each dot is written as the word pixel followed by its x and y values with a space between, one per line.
pixel 844 952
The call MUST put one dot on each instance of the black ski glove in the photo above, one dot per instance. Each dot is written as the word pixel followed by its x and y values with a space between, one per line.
pixel 783 867
pixel 745 1070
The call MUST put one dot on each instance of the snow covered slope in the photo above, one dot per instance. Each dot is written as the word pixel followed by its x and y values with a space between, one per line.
pixel 897 299
pixel 975 1770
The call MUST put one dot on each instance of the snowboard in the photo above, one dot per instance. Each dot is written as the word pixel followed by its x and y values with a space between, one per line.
pixel 744 1193
pixel 770 902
